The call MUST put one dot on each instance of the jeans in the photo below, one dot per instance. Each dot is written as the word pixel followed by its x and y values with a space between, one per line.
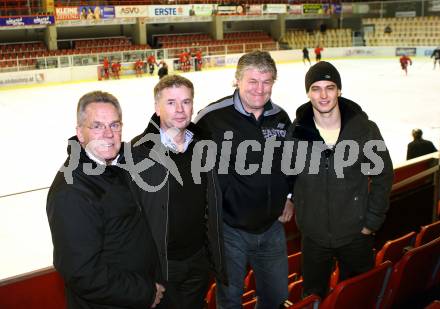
pixel 188 281
pixel 353 259
pixel 266 253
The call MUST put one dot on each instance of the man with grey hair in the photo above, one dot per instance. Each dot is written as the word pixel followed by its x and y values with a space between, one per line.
pixel 255 192
pixel 183 213
pixel 103 247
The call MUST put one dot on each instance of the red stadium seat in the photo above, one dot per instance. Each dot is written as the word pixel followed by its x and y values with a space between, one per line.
pixel 310 302
pixel 393 250
pixel 363 291
pixel 413 274
pixel 295 291
pixel 428 233
pixel 41 289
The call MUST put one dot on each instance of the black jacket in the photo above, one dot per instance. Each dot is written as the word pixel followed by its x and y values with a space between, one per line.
pixel 155 198
pixel 419 147
pixel 103 247
pixel 333 203
pixel 252 201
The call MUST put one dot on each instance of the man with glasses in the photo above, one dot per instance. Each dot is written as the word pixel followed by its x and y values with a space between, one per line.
pixel 103 247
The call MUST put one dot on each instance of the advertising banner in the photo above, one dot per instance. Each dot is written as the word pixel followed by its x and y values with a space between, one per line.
pixel 22 79
pixel 168 10
pixel 254 9
pixel 131 11
pixel 27 21
pixel 295 9
pixel 274 8
pixel 230 10
pixel 313 9
pixel 202 9
pixel 409 51
pixel 67 13
pixel 89 12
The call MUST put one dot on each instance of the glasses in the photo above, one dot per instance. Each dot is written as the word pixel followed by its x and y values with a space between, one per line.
pixel 99 127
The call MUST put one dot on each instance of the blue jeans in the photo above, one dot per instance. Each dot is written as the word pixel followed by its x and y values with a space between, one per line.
pixel 266 253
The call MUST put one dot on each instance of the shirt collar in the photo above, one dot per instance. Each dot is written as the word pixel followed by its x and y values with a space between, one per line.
pixel 167 141
pixel 99 161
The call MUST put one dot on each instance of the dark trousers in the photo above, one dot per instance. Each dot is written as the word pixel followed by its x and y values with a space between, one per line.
pixel 188 281
pixel 353 259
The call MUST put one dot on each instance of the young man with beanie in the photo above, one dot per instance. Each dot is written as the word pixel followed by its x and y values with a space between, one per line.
pixel 255 204
pixel 342 195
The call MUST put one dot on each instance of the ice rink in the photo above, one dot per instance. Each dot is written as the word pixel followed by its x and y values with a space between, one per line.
pixel 35 124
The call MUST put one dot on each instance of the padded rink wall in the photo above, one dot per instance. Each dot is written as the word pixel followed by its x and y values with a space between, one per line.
pixel 89 73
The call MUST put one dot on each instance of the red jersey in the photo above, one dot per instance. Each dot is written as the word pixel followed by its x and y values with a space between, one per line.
pixel 318 50
pixel 404 60
pixel 138 64
pixel 106 63
pixel 151 59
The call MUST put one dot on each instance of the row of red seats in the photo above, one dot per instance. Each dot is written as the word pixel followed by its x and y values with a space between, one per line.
pixel 102 42
pixel 219 42
pixel 416 260
pixel 65 52
pixel 21 47
pixel 183 37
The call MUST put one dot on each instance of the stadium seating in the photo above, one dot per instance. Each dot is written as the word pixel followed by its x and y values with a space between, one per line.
pixel 310 302
pixel 45 288
pixel 428 233
pixel 300 38
pixel 407 31
pixel 413 274
pixel 363 291
pixel 393 250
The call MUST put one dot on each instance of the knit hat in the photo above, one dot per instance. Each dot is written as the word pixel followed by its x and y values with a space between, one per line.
pixel 322 71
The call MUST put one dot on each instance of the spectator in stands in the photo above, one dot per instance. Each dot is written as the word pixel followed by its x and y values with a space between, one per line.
pixel 163 69
pixel 305 52
pixel 436 55
pixel 103 247
pixel 388 30
pixel 338 204
pixel 318 51
pixel 419 146
pixel 183 213
pixel 255 205
pixel 404 61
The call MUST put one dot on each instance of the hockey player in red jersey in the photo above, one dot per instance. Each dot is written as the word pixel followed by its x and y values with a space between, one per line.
pixel 151 60
pixel 404 61
pixel 138 67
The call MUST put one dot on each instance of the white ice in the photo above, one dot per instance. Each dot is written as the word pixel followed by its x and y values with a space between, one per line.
pixel 36 122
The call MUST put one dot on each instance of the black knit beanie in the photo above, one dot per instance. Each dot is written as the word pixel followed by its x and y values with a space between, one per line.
pixel 322 71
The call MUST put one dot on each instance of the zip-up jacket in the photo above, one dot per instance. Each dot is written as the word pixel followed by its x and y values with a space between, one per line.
pixel 155 199
pixel 249 161
pixel 341 190
pixel 103 247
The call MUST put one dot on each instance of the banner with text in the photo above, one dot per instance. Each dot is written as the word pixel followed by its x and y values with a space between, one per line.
pixel 274 8
pixel 168 10
pixel 27 21
pixel 131 11
pixel 202 9
pixel 89 12
pixel 254 9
